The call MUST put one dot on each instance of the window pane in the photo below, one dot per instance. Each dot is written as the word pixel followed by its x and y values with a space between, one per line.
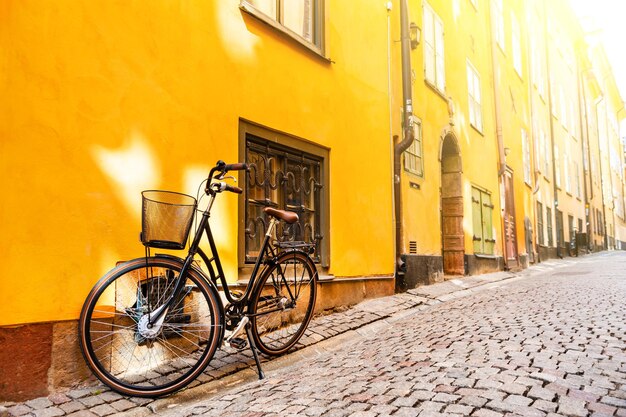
pixel 439 54
pixel 298 16
pixel 266 6
pixel 283 178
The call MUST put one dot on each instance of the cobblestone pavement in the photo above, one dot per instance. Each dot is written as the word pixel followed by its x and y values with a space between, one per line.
pixel 548 341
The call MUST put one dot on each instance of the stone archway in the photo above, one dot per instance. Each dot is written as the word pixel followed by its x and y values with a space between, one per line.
pixel 452 235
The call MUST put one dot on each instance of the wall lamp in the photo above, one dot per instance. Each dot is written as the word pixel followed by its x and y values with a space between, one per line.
pixel 415 34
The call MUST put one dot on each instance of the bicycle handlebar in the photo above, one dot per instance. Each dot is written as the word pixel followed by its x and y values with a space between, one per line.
pixel 232 189
pixel 241 166
pixel 222 168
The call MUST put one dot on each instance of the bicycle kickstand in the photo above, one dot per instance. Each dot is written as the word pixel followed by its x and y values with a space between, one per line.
pixel 254 351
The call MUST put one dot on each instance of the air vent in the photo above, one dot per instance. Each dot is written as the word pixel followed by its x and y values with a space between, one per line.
pixel 412 247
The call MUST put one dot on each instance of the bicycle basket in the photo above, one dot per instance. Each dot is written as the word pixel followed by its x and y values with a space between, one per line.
pixel 166 218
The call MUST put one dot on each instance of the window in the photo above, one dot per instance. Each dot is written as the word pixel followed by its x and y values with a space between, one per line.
pixel 285 173
pixel 549 226
pixel 516 41
pixel 600 225
pixel 526 158
pixel 547 154
pixel 570 223
pixel 577 179
pixel 482 215
pixel 413 159
pixel 568 183
pixel 473 87
pixel 537 68
pixel 540 237
pixel 434 68
pixel 557 167
pixel 498 22
pixel 300 19
pixel 580 225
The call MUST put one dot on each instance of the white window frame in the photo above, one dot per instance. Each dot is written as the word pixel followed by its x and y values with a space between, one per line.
pixel 414 155
pixel 526 158
pixel 577 176
pixel 546 153
pixel 516 44
pixel 434 58
pixel 557 167
pixel 474 97
pixel 313 36
pixel 568 183
pixel 498 22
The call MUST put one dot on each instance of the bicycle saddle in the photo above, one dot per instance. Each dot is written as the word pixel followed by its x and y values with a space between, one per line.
pixel 286 216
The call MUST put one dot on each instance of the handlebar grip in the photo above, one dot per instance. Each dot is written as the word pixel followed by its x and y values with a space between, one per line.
pixel 236 167
pixel 233 189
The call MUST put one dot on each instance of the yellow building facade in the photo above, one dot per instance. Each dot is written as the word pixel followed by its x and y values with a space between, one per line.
pixel 515 148
pixel 103 100
pixel 525 175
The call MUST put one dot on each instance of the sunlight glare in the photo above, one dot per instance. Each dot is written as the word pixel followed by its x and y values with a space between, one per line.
pixel 131 169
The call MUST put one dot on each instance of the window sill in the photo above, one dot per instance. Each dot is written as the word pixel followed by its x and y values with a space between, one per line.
pixel 477 130
pixel 485 256
pixel 318 51
pixel 414 174
pixel 433 87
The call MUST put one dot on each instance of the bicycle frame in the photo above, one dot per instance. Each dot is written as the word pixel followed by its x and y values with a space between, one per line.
pixel 194 249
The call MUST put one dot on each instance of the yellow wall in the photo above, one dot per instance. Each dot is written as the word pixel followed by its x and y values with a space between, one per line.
pixel 466 29
pixel 514 113
pixel 102 100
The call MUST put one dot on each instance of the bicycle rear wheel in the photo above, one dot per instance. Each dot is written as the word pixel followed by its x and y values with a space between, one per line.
pixel 282 305
pixel 137 358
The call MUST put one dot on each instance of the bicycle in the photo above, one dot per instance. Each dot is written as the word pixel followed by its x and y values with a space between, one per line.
pixel 151 325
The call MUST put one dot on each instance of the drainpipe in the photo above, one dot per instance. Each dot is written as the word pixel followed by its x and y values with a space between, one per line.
pixel 619 133
pixel 584 137
pixel 605 231
pixel 400 147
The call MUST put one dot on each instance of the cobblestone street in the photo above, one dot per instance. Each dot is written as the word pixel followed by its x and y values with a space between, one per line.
pixel 551 344
pixel 548 341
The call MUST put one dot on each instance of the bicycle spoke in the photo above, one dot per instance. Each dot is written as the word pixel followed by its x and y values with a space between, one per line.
pixel 133 358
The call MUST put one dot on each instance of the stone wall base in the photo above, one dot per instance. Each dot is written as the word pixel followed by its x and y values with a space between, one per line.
pixel 477 264
pixel 420 270
pixel 42 358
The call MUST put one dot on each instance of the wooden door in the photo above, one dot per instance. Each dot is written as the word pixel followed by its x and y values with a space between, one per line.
pixel 510 231
pixel 452 224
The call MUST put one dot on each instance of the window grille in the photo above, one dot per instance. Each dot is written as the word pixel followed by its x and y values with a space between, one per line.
pixel 286 179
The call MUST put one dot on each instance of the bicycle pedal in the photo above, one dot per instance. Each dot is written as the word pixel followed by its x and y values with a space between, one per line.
pixel 238 343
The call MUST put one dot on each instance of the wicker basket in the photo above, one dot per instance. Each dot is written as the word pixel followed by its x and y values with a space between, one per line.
pixel 166 218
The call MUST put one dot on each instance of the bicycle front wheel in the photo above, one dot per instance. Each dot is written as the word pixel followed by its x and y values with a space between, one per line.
pixel 283 303
pixel 135 355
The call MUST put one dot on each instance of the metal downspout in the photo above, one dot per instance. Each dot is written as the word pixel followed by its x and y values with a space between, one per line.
pixel 584 127
pixel 407 98
pixel 602 197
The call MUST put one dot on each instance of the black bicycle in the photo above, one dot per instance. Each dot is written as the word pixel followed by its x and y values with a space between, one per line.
pixel 151 325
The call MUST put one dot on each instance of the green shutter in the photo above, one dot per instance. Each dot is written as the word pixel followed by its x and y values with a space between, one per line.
pixel 477 221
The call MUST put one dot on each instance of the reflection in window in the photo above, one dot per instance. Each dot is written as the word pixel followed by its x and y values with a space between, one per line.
pixel 303 18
